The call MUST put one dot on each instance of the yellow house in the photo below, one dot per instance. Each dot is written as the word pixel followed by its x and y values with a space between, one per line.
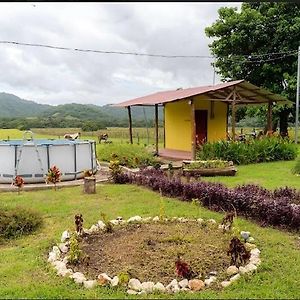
pixel 197 115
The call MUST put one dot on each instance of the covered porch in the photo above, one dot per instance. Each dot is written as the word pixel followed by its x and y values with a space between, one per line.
pixel 218 98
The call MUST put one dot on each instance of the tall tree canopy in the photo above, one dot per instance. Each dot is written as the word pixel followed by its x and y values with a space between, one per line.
pixel 243 39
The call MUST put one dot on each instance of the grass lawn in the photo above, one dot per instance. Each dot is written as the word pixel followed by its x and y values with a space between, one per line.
pixel 271 175
pixel 25 273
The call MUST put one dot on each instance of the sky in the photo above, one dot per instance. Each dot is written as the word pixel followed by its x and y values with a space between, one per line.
pixel 55 77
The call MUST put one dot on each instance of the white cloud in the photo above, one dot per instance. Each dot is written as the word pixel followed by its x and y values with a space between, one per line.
pixel 58 76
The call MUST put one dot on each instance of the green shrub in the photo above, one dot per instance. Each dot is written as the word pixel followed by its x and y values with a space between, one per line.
pixel 18 221
pixel 132 156
pixel 296 169
pixel 253 151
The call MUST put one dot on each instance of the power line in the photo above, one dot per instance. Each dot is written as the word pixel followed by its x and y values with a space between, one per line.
pixel 233 57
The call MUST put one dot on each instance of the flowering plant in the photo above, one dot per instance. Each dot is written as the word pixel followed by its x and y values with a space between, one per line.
pixel 53 175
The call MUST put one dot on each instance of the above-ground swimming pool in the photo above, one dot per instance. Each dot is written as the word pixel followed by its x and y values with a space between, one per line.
pixel 32 158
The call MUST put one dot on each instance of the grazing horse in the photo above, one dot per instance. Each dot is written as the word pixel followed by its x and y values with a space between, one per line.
pixel 102 137
pixel 73 136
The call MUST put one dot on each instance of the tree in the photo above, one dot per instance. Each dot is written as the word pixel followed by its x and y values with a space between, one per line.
pixel 243 39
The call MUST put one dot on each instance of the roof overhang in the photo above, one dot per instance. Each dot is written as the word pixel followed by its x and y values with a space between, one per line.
pixel 246 93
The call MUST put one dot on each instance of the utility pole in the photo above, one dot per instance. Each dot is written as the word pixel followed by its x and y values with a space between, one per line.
pixel 297 98
pixel 214 76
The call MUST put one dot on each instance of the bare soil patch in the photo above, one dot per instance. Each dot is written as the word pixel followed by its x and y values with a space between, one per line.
pixel 148 251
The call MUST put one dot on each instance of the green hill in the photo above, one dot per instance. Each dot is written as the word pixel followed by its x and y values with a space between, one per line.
pixel 19 113
pixel 13 106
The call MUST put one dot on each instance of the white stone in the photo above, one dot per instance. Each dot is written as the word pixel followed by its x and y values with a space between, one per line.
pixel 251 267
pixel 65 236
pixel 210 280
pixel 255 252
pixel 183 220
pixel 235 277
pixel 66 259
pixel 56 250
pixel 87 231
pixel 115 281
pixel 155 219
pixel 159 287
pixel 232 270
pixel 59 264
pixel 104 279
pixel 114 222
pixel 132 292
pixel 183 283
pixel 214 273
pixel 101 225
pixel 248 268
pixel 134 219
pixel 200 220
pixel 142 292
pixel 212 221
pixel 63 248
pixel 53 257
pixel 251 239
pixel 255 260
pixel 245 235
pixel 225 283
pixel 147 219
pixel 94 228
pixel 135 284
pixel 148 286
pixel 173 286
pixel 65 272
pixel 89 284
pixel 78 277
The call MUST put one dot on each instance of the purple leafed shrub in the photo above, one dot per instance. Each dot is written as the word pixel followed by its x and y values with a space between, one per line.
pixel 280 207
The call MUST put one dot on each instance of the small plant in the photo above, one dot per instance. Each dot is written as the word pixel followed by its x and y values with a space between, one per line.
pixel 115 171
pixel 227 221
pixel 54 175
pixel 238 252
pixel 18 182
pixel 108 225
pixel 78 224
pixel 124 278
pixel 75 253
pixel 183 269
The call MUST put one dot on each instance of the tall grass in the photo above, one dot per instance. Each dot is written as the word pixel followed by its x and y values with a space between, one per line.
pixel 132 156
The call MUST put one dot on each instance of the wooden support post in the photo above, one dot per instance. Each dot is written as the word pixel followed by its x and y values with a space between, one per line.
pixel 193 129
pixel 233 115
pixel 130 124
pixel 156 129
pixel 164 126
pixel 269 120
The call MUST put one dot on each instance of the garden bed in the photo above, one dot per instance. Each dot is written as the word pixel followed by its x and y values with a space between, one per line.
pixel 149 251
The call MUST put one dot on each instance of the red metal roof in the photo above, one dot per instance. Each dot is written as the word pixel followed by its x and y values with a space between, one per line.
pixel 249 92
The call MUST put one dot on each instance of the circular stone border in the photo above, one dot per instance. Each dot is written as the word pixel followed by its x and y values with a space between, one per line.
pixel 58 259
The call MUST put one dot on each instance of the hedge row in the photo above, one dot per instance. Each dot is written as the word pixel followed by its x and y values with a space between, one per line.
pixel 252 151
pixel 280 207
